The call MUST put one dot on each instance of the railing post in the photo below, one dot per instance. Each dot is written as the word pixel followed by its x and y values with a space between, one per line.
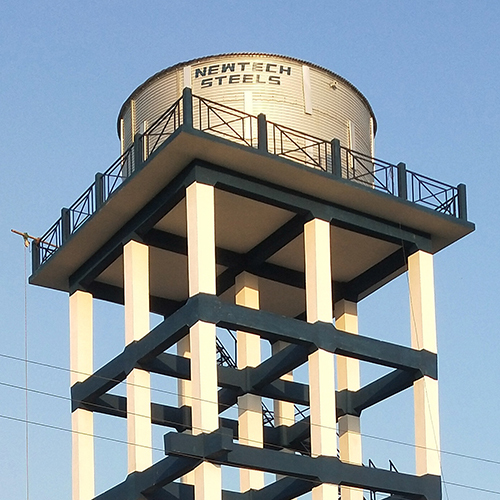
pixel 65 224
pixel 187 107
pixel 262 132
pixel 462 202
pixel 99 190
pixel 138 152
pixel 35 255
pixel 402 185
pixel 336 158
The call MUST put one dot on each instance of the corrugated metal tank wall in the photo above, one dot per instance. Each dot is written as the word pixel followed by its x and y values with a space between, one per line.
pixel 290 92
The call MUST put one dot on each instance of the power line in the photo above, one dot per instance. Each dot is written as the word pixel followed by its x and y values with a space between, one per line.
pixel 122 441
pixel 368 436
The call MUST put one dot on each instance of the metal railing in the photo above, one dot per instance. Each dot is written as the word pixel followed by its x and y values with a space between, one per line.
pixel 300 147
pixel 433 194
pixel 161 129
pixel 223 121
pixel 84 207
pixel 268 137
pixel 372 172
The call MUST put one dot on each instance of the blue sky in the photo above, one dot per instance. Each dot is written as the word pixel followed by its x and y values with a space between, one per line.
pixel 430 71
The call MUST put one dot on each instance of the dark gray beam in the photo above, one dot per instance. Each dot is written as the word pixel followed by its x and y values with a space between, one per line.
pixel 380 389
pixel 218 447
pixel 150 480
pixel 253 260
pixel 291 357
pixel 114 294
pixel 297 202
pixel 236 382
pixel 166 334
pixel 375 277
pixel 268 325
pixel 178 244
pixel 284 489
pixel 320 335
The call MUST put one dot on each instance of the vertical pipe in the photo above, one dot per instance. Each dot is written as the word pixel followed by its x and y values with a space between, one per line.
pixel 35 255
pixel 200 208
pixel 65 224
pixel 138 152
pixel 423 336
pixel 336 158
pixel 82 421
pixel 99 190
pixel 187 107
pixel 462 201
pixel 262 132
pixel 402 183
pixel 136 288
pixel 321 363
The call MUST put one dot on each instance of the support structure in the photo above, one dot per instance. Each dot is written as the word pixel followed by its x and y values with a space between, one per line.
pixel 323 418
pixel 250 425
pixel 82 420
pixel 200 215
pixel 423 336
pixel 136 290
pixel 216 235
pixel 348 379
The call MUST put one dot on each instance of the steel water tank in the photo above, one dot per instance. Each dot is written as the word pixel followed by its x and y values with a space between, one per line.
pixel 290 92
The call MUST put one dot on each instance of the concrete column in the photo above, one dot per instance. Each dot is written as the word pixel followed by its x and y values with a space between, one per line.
pixel 423 336
pixel 136 284
pixel 284 412
pixel 348 378
pixel 82 421
pixel 321 363
pixel 184 393
pixel 250 425
pixel 202 279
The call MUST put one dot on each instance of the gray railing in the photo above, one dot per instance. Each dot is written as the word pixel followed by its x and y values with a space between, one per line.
pixel 223 121
pixel 268 137
pixel 84 207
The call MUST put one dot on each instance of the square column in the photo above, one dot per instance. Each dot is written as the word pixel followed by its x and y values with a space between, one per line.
pixel 82 421
pixel 250 425
pixel 136 284
pixel 321 363
pixel 284 412
pixel 200 209
pixel 184 393
pixel 348 378
pixel 423 336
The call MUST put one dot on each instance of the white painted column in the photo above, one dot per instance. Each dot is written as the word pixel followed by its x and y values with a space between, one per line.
pixel 348 378
pixel 250 425
pixel 82 421
pixel 202 279
pixel 423 336
pixel 184 393
pixel 136 284
pixel 321 363
pixel 284 412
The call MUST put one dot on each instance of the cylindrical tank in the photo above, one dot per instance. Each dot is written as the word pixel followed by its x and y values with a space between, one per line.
pixel 290 92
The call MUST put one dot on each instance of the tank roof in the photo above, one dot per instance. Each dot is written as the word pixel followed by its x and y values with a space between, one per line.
pixel 159 74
